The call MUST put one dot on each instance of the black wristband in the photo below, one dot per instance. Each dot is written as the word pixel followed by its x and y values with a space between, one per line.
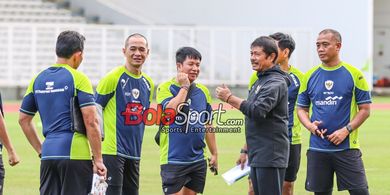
pixel 349 128
pixel 243 151
pixel 227 99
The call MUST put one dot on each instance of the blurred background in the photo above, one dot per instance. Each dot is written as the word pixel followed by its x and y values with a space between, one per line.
pixel 221 29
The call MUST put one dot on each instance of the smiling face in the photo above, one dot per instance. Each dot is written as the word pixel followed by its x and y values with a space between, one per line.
pixel 191 67
pixel 136 51
pixel 260 61
pixel 328 47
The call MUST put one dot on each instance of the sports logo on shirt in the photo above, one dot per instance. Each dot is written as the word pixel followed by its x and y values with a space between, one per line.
pixel 124 82
pixel 49 85
pixel 135 93
pixel 329 101
pixel 329 84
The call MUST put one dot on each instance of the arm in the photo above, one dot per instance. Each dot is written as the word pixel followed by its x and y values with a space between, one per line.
pixel 179 98
pixel 268 97
pixel 303 115
pixel 224 94
pixel 13 158
pixel 339 136
pixel 184 83
pixel 212 145
pixel 243 156
pixel 93 133
pixel 29 130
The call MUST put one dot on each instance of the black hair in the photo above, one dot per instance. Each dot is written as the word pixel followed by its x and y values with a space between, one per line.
pixel 268 44
pixel 135 35
pixel 190 52
pixel 68 43
pixel 335 33
pixel 285 41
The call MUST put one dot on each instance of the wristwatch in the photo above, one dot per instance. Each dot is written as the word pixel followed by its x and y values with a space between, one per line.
pixel 349 128
pixel 243 151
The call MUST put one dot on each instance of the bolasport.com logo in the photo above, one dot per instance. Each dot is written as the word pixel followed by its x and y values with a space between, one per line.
pixel 183 119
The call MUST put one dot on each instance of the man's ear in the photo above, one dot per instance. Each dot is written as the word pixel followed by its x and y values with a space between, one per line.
pixel 124 50
pixel 272 56
pixel 286 52
pixel 338 46
pixel 179 67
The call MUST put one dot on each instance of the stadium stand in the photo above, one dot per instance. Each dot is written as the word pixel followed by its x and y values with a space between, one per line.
pixel 35 11
pixel 28 30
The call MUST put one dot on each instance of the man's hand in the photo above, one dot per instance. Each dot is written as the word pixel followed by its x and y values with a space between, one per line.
pixel 242 160
pixel 213 164
pixel 223 93
pixel 100 168
pixel 338 136
pixel 315 130
pixel 182 79
pixel 13 158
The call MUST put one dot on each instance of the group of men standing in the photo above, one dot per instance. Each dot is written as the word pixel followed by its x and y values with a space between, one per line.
pixel 67 163
pixel 332 102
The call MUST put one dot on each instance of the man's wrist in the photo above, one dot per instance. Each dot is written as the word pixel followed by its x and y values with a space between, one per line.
pixel 227 99
pixel 99 160
pixel 349 128
pixel 313 129
pixel 186 87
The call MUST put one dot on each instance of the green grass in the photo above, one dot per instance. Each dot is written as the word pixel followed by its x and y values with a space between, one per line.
pixel 24 178
pixel 381 99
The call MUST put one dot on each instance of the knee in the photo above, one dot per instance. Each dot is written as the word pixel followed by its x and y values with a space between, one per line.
pixel 288 187
pixel 250 188
pixel 363 191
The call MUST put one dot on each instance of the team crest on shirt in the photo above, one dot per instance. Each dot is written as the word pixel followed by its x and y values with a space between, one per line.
pixel 135 93
pixel 257 89
pixel 329 84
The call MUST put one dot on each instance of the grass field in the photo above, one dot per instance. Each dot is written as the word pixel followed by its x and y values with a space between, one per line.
pixel 374 137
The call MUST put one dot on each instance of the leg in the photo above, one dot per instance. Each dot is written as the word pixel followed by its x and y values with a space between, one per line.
pixel 254 181
pixel 115 167
pixel 350 170
pixel 292 169
pixel 173 178
pixel 187 191
pixel 319 176
pixel 50 182
pixel 363 191
pixel 268 181
pixel 131 177
pixel 197 174
pixel 76 176
pixel 288 188
pixel 2 173
pixel 250 187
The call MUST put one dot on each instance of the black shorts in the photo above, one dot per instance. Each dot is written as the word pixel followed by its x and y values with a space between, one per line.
pixel 2 173
pixel 294 161
pixel 122 175
pixel 175 177
pixel 267 180
pixel 65 177
pixel 347 165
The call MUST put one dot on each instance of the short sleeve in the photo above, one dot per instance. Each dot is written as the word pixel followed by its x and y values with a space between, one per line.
pixel 28 103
